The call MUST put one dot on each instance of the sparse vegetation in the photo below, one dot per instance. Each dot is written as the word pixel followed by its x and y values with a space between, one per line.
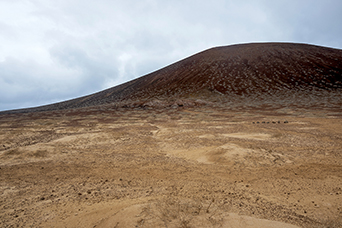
pixel 180 212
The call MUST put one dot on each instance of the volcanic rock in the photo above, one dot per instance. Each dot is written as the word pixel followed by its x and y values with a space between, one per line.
pixel 256 74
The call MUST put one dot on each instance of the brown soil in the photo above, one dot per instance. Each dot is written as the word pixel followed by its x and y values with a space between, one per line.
pixel 173 167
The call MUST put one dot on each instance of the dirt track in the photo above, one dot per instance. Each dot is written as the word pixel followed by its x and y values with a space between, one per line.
pixel 194 167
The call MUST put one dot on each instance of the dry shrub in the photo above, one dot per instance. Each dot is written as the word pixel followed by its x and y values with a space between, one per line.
pixel 179 212
pixel 277 135
pixel 12 152
pixel 332 223
pixel 40 153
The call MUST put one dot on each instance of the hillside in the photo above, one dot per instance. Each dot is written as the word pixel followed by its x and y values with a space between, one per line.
pixel 280 74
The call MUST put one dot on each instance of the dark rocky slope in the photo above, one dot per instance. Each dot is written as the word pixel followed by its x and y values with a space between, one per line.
pixel 251 75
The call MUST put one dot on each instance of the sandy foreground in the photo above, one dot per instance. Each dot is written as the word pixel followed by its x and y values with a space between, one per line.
pixel 185 167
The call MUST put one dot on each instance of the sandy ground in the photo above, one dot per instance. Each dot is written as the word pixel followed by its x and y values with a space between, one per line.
pixel 194 167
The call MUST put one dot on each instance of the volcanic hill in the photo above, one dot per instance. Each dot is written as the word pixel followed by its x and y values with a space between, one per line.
pixel 276 74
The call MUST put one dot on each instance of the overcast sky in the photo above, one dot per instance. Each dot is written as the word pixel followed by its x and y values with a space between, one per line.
pixel 56 50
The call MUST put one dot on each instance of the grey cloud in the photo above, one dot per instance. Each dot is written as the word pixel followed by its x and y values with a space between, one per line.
pixel 307 21
pixel 31 84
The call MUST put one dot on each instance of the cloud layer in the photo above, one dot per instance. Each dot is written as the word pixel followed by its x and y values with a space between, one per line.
pixel 57 50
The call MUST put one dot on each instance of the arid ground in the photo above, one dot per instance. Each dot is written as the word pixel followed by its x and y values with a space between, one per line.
pixel 171 167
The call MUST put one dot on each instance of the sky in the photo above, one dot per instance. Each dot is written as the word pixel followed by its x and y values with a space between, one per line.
pixel 52 51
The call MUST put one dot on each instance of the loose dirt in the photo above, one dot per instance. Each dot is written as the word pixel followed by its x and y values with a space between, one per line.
pixel 181 167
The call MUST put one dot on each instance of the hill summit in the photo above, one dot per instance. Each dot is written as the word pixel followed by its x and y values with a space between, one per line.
pixel 253 74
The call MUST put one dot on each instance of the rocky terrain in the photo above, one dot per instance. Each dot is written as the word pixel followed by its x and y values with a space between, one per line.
pixel 239 136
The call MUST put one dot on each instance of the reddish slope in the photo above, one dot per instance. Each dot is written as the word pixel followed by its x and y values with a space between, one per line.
pixel 260 71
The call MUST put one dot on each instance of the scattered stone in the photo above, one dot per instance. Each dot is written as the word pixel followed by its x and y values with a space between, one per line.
pixel 273 122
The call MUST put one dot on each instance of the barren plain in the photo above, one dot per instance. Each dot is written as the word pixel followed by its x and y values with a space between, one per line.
pixel 171 167
pixel 242 136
